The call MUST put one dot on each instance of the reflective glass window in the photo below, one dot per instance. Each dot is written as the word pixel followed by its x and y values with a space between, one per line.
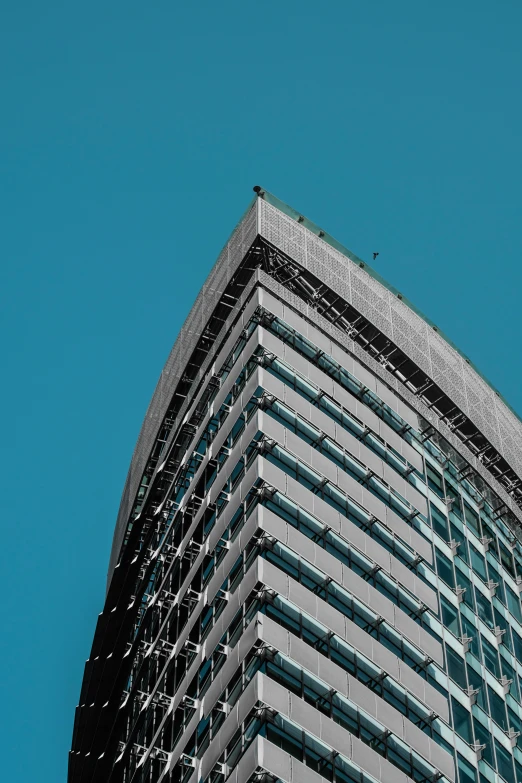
pixel 456 667
pixel 497 709
pixel 450 616
pixel 445 569
pixel 491 661
pixel 439 523
pixel 504 763
pixel 478 563
pixel 461 720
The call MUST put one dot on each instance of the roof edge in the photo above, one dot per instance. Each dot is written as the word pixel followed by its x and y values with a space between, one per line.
pixel 330 240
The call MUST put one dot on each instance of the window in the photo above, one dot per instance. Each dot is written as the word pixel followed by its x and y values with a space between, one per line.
pixel 445 569
pixel 517 644
pixel 504 763
pixel 506 559
pixel 456 667
pixel 513 604
pixel 509 673
pixel 467 773
pixel 461 721
pixel 439 523
pixel 497 708
pixel 497 579
pixel 469 630
pixel 435 480
pixel 503 624
pixel 450 616
pixel 472 519
pixel 478 563
pixel 476 681
pixel 484 608
pixel 491 661
pixel 467 596
pixel 483 737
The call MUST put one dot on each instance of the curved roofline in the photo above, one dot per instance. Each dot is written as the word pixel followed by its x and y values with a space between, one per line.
pixel 330 240
pixel 253 225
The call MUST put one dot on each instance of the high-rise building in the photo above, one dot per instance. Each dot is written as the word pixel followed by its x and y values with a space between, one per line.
pixel 317 563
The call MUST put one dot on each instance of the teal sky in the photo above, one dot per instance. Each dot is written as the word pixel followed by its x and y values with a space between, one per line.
pixel 131 135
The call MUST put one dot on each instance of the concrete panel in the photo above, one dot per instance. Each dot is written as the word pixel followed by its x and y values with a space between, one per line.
pixel 376 464
pixel 332 674
pixel 412 682
pixel 427 642
pixel 274 694
pixel 427 595
pixel 443 762
pixel 326 514
pixel 275 578
pixel 300 495
pixel 298 447
pixel 305 715
pixel 358 638
pixel 320 339
pixel 343 358
pixel 355 585
pixel 303 597
pixel 356 536
pixel 381 605
pixel 324 466
pixel 392 774
pixel 247 764
pixel 301 544
pixel 409 628
pixel 271 302
pixel 274 634
pixel 377 553
pixel 362 696
pixel 409 415
pixel 386 660
pixel 271 473
pixel 363 375
pixel 294 359
pixel 329 564
pixel 304 655
pixel 366 758
pixel 295 321
pixel 275 760
pixel 387 395
pixel 390 717
pixel 303 774
pixel 333 619
pixel 321 379
pixel 418 740
pixel 336 737
pixel 294 401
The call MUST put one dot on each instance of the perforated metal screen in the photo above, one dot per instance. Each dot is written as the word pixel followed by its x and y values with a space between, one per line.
pixel 207 299
pixel 404 327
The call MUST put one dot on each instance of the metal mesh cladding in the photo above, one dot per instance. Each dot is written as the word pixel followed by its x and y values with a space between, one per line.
pixel 403 326
pixel 218 279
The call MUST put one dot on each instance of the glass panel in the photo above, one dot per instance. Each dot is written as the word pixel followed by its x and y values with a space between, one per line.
pixel 456 667
pixel 467 773
pixel 497 708
pixel 461 720
pixel 450 616
pixel 478 563
pixel 504 763
pixel 445 569
pixel 490 657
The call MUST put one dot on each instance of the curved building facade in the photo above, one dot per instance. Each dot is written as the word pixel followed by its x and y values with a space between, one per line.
pixel 317 564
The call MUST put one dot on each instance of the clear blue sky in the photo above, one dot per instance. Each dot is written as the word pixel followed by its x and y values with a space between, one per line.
pixel 130 138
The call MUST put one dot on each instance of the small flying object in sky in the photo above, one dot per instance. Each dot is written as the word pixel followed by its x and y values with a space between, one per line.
pixel 375 256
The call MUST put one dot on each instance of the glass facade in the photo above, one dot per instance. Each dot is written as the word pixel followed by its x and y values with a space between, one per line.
pixel 315 575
